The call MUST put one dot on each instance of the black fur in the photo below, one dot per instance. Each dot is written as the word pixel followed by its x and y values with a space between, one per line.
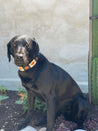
pixel 50 83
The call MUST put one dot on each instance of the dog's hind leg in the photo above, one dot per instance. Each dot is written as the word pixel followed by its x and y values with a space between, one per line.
pixel 83 106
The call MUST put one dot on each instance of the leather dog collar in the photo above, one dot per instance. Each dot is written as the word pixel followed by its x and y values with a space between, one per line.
pixel 32 63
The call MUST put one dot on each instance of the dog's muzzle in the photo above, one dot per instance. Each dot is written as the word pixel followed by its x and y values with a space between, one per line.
pixel 19 61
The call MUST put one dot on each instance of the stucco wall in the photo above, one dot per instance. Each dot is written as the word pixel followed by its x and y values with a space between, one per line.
pixel 60 27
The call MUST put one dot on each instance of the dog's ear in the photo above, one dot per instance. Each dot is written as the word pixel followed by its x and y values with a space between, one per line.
pixel 9 47
pixel 8 51
pixel 35 47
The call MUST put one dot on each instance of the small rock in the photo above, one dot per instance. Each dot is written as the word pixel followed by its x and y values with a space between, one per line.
pixel 80 130
pixel 43 129
pixel 62 125
pixel 2 130
pixel 29 128
pixel 6 123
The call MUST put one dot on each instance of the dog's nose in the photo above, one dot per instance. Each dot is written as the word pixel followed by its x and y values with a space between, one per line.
pixel 19 56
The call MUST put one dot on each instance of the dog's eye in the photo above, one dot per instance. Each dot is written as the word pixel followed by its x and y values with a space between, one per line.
pixel 27 45
pixel 14 44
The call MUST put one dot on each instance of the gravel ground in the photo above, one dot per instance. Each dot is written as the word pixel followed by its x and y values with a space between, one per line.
pixel 10 117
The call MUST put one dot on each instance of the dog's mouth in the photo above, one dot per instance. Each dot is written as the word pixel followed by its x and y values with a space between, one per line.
pixel 21 61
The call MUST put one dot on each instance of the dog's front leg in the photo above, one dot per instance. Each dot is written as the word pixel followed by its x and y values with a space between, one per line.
pixel 31 96
pixel 50 112
pixel 31 100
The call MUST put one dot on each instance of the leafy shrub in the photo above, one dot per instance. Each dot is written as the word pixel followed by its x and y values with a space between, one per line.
pixel 23 99
pixel 3 90
pixel 3 93
pixel 39 105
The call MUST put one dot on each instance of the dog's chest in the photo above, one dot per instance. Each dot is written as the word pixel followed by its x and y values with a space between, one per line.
pixel 29 82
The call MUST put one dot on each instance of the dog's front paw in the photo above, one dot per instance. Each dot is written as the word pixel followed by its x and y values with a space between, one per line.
pixel 49 129
pixel 24 123
pixel 21 126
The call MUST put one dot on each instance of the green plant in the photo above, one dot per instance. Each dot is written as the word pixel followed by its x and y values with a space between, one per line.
pixel 3 93
pixel 94 82
pixel 22 90
pixel 23 99
pixel 39 105
pixel 94 29
pixel 93 61
pixel 3 90
pixel 2 97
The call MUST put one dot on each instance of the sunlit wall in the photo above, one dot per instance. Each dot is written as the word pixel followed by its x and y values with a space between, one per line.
pixel 59 26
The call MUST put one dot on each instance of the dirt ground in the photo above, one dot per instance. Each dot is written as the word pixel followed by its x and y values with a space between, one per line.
pixel 10 114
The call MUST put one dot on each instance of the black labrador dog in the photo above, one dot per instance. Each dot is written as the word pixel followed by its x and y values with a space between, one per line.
pixel 47 81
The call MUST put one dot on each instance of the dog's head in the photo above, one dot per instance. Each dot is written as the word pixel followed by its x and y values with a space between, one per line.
pixel 23 49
